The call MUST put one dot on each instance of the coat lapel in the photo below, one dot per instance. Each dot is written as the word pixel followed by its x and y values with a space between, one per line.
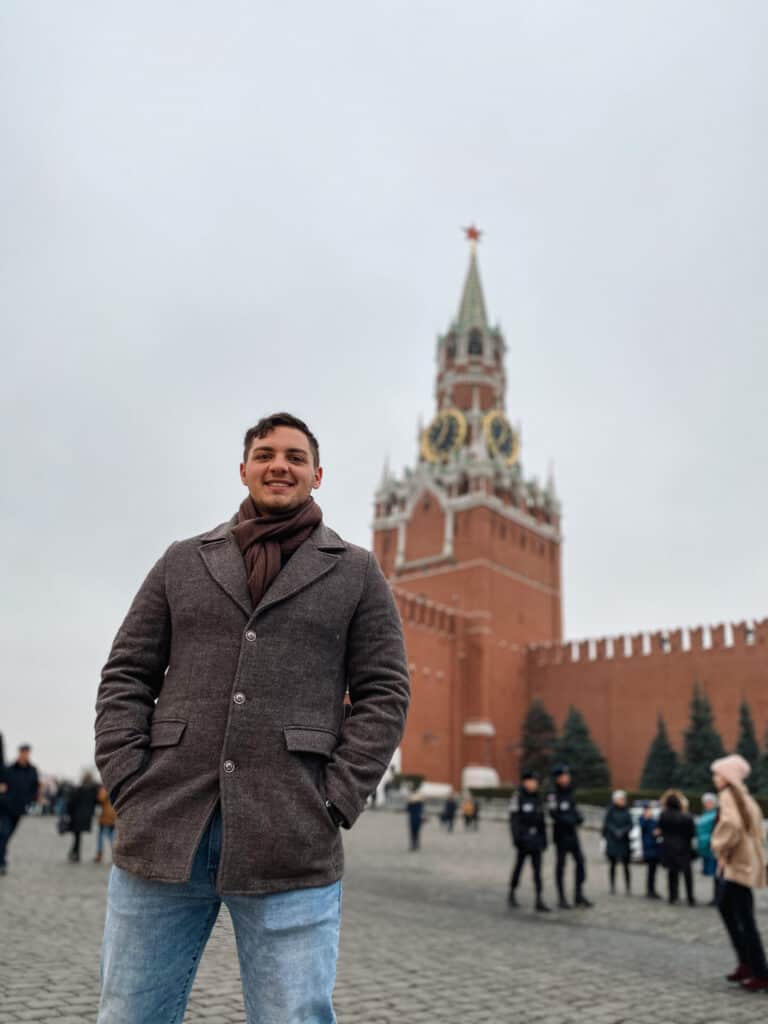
pixel 222 557
pixel 316 556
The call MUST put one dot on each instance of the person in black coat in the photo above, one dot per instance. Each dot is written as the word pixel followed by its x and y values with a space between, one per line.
pixel 19 787
pixel 415 811
pixel 651 837
pixel 617 825
pixel 566 819
pixel 529 834
pixel 80 807
pixel 677 833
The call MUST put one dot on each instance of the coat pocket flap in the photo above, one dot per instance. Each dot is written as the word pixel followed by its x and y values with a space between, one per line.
pixel 305 740
pixel 166 733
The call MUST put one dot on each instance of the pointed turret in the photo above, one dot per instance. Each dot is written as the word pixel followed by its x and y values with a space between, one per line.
pixel 472 309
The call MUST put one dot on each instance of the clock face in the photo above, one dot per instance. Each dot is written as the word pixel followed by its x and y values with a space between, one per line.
pixel 500 437
pixel 444 435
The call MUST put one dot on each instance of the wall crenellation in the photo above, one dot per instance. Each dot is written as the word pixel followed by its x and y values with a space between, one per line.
pixel 420 611
pixel 696 639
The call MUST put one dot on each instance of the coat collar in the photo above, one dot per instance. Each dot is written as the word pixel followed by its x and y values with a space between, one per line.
pixel 316 556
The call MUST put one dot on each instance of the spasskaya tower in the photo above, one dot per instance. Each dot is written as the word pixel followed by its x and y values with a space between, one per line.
pixel 464 529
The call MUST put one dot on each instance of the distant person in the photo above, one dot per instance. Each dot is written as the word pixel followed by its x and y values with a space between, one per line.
pixel 107 819
pixel 651 838
pixel 528 826
pixel 617 825
pixel 566 819
pixel 448 815
pixel 470 810
pixel 415 811
pixel 19 787
pixel 737 842
pixel 80 807
pixel 705 824
pixel 677 834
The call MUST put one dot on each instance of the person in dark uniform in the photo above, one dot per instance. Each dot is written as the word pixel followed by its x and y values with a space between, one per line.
pixel 566 818
pixel 529 834
pixel 19 787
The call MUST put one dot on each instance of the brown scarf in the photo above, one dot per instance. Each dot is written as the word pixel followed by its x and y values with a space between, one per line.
pixel 265 541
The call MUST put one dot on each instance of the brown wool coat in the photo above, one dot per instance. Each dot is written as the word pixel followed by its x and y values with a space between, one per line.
pixel 740 853
pixel 205 699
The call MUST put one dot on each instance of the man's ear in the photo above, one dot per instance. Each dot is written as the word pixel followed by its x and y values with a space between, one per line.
pixel 242 474
pixel 318 478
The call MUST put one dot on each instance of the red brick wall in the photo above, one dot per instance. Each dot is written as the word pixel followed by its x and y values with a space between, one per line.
pixel 620 697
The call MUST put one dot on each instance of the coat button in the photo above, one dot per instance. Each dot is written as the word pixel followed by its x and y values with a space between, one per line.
pixel 239 698
pixel 250 636
pixel 229 767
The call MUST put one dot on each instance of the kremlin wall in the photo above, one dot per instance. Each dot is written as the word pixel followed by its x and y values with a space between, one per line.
pixel 472 550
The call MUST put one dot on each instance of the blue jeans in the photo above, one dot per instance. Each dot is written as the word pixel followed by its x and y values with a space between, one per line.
pixel 105 832
pixel 155 933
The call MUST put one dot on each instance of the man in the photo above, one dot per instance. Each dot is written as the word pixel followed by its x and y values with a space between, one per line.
pixel 224 741
pixel 19 787
pixel 567 818
pixel 529 834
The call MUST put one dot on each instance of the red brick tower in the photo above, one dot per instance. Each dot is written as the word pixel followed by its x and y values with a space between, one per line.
pixel 464 529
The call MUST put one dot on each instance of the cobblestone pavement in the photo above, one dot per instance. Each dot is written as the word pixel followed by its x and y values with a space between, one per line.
pixel 425 937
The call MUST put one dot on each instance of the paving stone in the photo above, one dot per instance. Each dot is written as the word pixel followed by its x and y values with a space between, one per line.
pixel 425 937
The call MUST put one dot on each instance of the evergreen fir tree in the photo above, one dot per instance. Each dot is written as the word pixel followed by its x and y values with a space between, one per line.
pixel 747 745
pixel 758 780
pixel 702 744
pixel 538 739
pixel 577 748
pixel 662 766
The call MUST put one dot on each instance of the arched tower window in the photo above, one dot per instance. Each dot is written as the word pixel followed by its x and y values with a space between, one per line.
pixel 450 348
pixel 475 347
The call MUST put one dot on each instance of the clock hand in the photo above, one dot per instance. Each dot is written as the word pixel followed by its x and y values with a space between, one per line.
pixel 443 435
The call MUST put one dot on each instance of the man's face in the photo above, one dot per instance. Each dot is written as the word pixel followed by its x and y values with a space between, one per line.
pixel 279 472
pixel 564 780
pixel 23 757
pixel 530 785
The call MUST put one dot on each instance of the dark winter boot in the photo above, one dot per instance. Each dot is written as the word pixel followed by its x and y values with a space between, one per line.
pixel 563 904
pixel 582 901
pixel 512 900
pixel 541 906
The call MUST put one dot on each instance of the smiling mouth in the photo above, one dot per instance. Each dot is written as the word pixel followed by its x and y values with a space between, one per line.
pixel 278 485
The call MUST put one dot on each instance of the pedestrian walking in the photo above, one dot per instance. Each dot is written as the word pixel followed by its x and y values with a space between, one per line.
pixel 567 819
pixel 677 835
pixel 705 824
pixel 737 842
pixel 229 753
pixel 470 810
pixel 448 815
pixel 416 816
pixel 107 819
pixel 650 834
pixel 80 808
pixel 528 825
pixel 617 825
pixel 19 787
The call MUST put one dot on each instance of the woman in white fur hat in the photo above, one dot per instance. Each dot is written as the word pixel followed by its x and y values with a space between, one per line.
pixel 738 843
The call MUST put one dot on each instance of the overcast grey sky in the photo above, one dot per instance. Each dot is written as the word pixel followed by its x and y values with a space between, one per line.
pixel 213 211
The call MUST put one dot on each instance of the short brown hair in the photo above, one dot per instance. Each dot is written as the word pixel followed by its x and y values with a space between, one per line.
pixel 267 424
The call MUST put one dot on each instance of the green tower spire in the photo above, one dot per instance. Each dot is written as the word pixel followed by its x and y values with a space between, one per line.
pixel 472 309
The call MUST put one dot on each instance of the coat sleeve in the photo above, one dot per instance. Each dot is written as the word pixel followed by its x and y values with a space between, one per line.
pixel 131 682
pixel 729 830
pixel 377 680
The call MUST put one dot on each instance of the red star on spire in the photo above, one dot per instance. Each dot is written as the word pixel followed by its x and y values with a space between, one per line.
pixel 473 234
